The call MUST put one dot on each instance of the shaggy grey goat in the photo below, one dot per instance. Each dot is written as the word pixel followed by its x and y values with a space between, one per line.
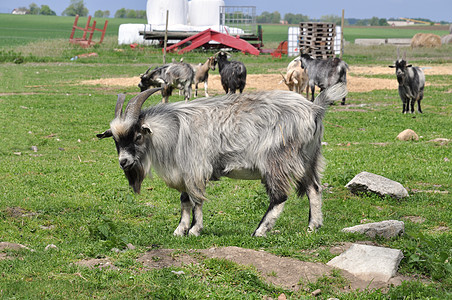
pixel 324 72
pixel 411 84
pixel 232 73
pixel 173 75
pixel 274 136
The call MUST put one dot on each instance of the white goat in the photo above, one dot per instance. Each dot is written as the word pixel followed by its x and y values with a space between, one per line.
pixel 296 77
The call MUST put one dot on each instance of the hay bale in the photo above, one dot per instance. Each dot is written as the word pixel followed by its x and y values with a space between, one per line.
pixel 447 39
pixel 425 40
pixel 408 135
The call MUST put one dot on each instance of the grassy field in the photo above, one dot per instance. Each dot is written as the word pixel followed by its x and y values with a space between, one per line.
pixel 62 186
pixel 22 29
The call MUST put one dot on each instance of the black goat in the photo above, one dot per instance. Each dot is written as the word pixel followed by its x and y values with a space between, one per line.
pixel 324 73
pixel 411 84
pixel 233 73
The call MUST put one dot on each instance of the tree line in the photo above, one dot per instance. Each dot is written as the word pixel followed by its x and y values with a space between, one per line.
pixel 77 7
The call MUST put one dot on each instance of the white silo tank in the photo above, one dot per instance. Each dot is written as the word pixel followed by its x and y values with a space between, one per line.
pixel 156 12
pixel 205 12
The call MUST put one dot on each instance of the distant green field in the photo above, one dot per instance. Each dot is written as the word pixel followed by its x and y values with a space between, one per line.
pixel 19 30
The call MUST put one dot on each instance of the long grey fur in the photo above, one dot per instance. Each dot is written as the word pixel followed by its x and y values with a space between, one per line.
pixel 274 136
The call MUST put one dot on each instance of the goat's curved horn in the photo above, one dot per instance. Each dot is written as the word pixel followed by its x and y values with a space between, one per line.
pixel 398 53
pixel 290 76
pixel 119 105
pixel 404 55
pixel 133 108
pixel 284 78
pixel 147 71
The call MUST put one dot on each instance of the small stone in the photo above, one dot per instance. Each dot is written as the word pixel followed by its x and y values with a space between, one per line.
pixel 50 246
pixel 316 292
pixel 368 182
pixel 178 272
pixel 282 297
pixel 387 229
pixel 369 262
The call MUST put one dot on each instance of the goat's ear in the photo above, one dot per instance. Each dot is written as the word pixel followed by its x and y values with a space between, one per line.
pixel 391 66
pixel 146 129
pixel 409 66
pixel 105 134
pixel 295 80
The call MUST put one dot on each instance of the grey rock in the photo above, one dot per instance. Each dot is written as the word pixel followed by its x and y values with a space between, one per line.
pixel 367 182
pixel 369 262
pixel 387 229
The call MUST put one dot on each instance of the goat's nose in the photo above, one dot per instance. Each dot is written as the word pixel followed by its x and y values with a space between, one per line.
pixel 125 163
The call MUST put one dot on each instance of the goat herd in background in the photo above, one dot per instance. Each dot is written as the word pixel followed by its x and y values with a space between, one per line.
pixel 272 136
pixel 304 72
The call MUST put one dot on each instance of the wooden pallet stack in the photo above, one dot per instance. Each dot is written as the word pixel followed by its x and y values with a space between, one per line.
pixel 317 39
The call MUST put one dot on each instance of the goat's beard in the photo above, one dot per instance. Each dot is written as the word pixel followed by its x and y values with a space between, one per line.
pixel 401 79
pixel 135 175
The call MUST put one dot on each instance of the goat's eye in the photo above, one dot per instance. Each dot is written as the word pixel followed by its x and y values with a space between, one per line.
pixel 139 137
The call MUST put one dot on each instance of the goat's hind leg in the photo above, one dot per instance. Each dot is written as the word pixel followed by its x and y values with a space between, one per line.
pixel 186 208
pixel 421 96
pixel 313 190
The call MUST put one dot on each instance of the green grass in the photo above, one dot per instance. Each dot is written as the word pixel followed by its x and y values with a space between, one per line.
pixel 73 183
pixel 387 32
pixel 22 29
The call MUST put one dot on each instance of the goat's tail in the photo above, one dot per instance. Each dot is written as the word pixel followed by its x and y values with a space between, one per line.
pixel 328 96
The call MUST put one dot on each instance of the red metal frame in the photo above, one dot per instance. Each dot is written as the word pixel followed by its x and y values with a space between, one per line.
pixel 208 35
pixel 87 29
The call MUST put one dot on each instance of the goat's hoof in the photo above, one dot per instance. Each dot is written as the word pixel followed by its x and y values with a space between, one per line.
pixel 259 233
pixel 179 232
pixel 194 232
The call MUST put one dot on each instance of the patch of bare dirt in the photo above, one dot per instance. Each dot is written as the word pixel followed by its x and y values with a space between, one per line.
pixel 18 212
pixel 100 263
pixel 285 272
pixel 280 271
pixel 445 69
pixel 4 246
pixel 259 82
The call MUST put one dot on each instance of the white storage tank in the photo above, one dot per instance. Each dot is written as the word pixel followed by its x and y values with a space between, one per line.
pixel 156 12
pixel 204 12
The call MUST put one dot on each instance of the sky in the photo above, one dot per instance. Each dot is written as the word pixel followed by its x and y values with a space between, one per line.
pixel 435 10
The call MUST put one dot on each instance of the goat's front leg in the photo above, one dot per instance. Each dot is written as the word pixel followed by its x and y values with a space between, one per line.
pixel 205 88
pixel 314 193
pixel 186 208
pixel 197 224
